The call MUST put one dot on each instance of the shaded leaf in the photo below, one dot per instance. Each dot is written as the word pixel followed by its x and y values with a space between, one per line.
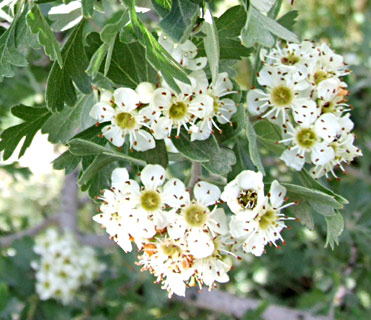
pixel 34 119
pixel 59 88
pixel 335 226
pixel 179 22
pixel 253 147
pixel 66 161
pixel 211 44
pixel 39 26
pixel 63 125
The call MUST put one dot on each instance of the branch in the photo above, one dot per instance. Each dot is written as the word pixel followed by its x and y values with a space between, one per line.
pixel 229 304
pixel 195 174
pixel 6 241
pixel 94 240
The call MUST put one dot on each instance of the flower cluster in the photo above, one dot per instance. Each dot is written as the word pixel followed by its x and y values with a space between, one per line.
pixel 157 111
pixel 64 266
pixel 186 240
pixel 303 93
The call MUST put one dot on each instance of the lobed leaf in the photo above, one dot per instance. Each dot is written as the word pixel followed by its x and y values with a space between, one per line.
pixel 38 25
pixel 59 87
pixel 178 23
pixel 34 119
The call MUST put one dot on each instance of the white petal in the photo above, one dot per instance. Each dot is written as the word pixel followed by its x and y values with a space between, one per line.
pixel 202 105
pixel 327 126
pixel 255 104
pixel 305 111
pixel 218 221
pixel 102 111
pixel 175 193
pixel 161 98
pixel 126 98
pixel 277 194
pixel 206 193
pixel 204 129
pixel 145 91
pixel 153 176
pixel 227 111
pixel 248 179
pixel 162 128
pixel 144 141
pixel 197 64
pixel 119 177
pixel 114 135
pixel 322 153
pixel 200 244
pixel 292 160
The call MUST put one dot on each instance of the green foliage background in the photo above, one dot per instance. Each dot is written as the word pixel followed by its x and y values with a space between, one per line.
pixel 302 274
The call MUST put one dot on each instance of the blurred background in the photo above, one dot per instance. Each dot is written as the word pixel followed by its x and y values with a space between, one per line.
pixel 302 275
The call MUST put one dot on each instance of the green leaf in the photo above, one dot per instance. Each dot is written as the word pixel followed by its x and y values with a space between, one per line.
pixel 12 44
pixel 63 125
pixel 216 159
pixel 231 131
pixel 97 60
pixel 179 22
pixel 80 147
pixel 4 296
pixel 315 199
pixel 211 44
pixel 309 182
pixel 97 176
pixel 268 134
pixel 192 151
pixel 335 226
pixel 129 66
pixel 59 88
pixel 229 25
pixel 61 20
pixel 156 55
pixel 162 6
pixel 288 20
pixel 34 119
pixel 109 35
pixel 158 155
pixel 15 170
pixel 304 213
pixel 259 29
pixel 87 8
pixel 40 26
pixel 253 147
pixel 66 161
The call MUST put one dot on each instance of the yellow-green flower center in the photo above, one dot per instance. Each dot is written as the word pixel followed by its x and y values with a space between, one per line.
pixel 267 219
pixel 196 215
pixel 281 96
pixel 290 60
pixel 150 200
pixel 306 138
pixel 247 199
pixel 319 76
pixel 177 111
pixel 328 107
pixel 171 250
pixel 125 120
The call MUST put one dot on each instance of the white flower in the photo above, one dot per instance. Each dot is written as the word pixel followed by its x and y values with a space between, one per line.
pixel 178 110
pixel 284 94
pixel 244 194
pixel 327 65
pixel 184 53
pixel 312 141
pixel 64 266
pixel 170 262
pixel 125 120
pixel 197 223
pixel 331 96
pixel 154 197
pixel 294 58
pixel 344 151
pixel 223 108
pixel 265 227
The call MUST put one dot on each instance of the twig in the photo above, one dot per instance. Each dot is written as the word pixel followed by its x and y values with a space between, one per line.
pixel 195 174
pixel 95 240
pixel 6 241
pixel 69 204
pixel 229 304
